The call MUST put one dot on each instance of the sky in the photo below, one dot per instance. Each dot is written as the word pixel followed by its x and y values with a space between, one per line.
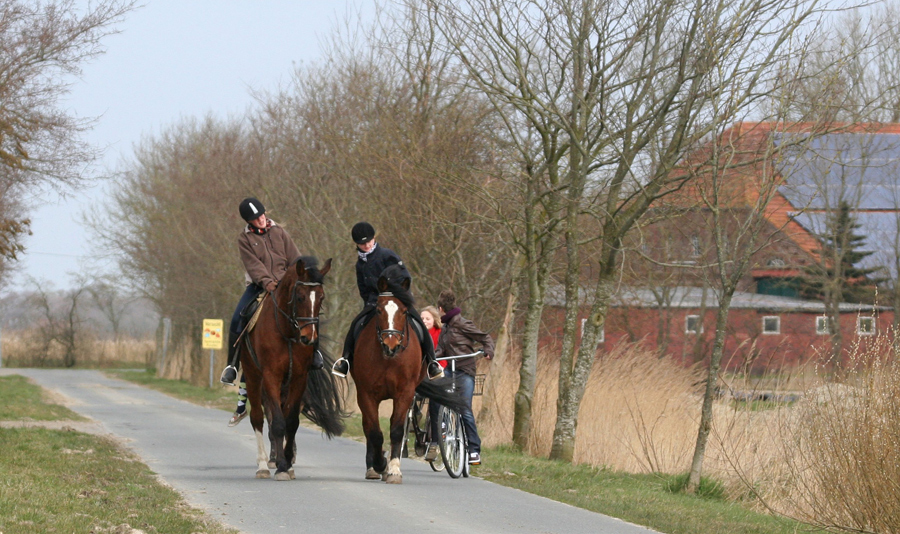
pixel 172 59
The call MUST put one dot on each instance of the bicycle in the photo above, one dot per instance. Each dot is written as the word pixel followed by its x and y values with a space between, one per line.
pixel 452 434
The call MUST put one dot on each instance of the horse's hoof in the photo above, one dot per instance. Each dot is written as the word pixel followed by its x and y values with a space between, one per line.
pixel 283 475
pixel 263 473
pixel 291 472
pixel 393 479
pixel 272 464
pixel 371 474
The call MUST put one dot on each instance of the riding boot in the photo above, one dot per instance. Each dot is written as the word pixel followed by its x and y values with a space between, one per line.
pixel 432 366
pixel 318 361
pixel 229 374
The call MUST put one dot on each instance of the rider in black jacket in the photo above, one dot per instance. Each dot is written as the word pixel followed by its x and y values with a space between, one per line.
pixel 372 260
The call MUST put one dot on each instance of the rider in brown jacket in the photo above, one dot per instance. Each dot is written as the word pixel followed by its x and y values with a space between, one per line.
pixel 458 336
pixel 266 251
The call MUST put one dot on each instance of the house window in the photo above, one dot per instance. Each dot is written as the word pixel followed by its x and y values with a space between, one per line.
pixel 771 324
pixel 823 324
pixel 692 324
pixel 865 326
pixel 602 331
pixel 695 246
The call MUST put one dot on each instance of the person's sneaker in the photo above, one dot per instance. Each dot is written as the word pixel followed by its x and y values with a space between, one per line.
pixel 229 375
pixel 317 362
pixel 474 458
pixel 432 453
pixel 341 368
pixel 435 370
pixel 237 417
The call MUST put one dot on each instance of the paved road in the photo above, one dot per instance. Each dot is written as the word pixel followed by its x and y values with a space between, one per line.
pixel 213 466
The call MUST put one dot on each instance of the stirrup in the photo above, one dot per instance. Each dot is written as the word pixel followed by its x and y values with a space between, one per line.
pixel 225 379
pixel 429 369
pixel 318 361
pixel 341 362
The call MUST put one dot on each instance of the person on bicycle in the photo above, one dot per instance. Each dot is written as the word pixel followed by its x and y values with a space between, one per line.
pixel 371 261
pixel 458 336
pixel 266 251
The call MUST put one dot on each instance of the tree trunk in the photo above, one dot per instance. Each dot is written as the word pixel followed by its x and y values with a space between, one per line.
pixel 709 394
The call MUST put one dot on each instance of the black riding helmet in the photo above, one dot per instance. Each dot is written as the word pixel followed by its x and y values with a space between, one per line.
pixel 362 232
pixel 251 208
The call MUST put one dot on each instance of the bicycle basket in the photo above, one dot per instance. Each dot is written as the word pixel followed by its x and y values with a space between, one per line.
pixel 479 384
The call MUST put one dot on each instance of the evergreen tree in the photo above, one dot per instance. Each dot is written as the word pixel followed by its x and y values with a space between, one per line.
pixel 837 274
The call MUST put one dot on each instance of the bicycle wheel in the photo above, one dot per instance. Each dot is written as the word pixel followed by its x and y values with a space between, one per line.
pixel 437 464
pixel 407 428
pixel 452 442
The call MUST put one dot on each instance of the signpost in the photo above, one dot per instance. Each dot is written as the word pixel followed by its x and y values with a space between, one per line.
pixel 212 340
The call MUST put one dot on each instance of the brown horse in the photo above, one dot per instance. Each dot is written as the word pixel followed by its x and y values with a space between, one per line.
pixel 276 356
pixel 388 365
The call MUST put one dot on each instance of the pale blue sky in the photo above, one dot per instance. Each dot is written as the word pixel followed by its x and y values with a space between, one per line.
pixel 174 59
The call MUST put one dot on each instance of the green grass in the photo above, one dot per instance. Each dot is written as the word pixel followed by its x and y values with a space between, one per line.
pixel 66 481
pixel 23 401
pixel 647 500
pixel 654 501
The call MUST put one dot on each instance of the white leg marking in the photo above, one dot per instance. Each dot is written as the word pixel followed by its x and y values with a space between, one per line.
pixel 262 455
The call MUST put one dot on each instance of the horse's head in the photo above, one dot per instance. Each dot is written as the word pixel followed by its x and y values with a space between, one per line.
pixel 391 315
pixel 300 295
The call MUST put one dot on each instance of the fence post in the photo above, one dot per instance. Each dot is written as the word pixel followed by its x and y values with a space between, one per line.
pixel 167 325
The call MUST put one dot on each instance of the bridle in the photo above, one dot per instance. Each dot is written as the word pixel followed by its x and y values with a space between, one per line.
pixel 297 323
pixel 384 334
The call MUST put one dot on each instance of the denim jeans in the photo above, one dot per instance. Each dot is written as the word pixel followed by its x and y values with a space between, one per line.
pixel 467 383
pixel 235 328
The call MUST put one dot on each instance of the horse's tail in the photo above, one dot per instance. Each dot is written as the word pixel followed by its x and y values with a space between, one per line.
pixel 322 401
pixel 441 391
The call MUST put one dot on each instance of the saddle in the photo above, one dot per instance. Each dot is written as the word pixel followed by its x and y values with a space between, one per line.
pixel 251 313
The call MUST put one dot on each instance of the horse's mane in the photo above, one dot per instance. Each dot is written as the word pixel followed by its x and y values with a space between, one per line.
pixel 311 264
pixel 394 275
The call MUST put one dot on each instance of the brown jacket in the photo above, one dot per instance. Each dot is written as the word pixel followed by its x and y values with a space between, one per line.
pixel 266 257
pixel 458 336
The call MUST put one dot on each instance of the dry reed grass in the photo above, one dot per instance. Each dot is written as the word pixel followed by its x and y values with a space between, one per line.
pixel 838 465
pixel 26 349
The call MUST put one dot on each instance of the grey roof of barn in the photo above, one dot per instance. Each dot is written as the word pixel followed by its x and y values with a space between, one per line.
pixel 692 297
pixel 861 168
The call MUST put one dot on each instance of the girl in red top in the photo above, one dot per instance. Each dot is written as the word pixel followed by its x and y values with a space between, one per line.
pixel 432 319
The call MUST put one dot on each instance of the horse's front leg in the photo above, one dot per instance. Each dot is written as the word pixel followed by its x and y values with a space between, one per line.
pixel 257 418
pixel 398 436
pixel 292 424
pixel 276 428
pixel 375 462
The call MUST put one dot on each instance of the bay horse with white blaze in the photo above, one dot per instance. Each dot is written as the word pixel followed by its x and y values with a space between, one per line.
pixel 388 365
pixel 276 355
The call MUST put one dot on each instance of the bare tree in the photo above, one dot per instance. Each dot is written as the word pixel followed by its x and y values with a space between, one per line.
pixel 60 323
pixel 42 45
pixel 631 85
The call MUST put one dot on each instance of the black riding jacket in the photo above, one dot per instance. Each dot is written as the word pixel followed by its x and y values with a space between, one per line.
pixel 367 272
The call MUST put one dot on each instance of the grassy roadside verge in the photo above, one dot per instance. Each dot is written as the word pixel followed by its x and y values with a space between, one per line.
pixel 641 499
pixel 65 481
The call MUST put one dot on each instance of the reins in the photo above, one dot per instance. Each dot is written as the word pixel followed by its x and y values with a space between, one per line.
pixel 296 323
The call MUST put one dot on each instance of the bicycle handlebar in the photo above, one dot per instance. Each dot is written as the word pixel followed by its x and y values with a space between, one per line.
pixel 473 355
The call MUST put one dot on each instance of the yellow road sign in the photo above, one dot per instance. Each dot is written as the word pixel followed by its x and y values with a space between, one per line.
pixel 212 333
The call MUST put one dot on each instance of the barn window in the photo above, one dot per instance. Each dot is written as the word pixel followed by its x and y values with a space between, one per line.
pixel 695 246
pixel 823 323
pixel 692 324
pixel 602 331
pixel 865 326
pixel 771 324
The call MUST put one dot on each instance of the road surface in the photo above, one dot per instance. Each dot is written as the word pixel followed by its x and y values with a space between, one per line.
pixel 213 466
